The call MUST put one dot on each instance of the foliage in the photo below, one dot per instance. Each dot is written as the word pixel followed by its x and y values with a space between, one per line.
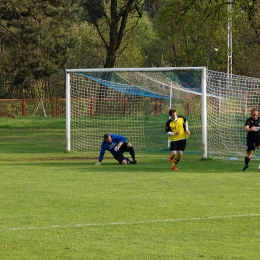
pixel 246 34
pixel 193 30
pixel 114 22
pixel 28 29
pixel 135 53
pixel 40 39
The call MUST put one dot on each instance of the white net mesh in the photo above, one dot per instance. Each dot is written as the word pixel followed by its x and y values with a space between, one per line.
pixel 133 104
pixel 96 110
pixel 236 96
pixel 136 103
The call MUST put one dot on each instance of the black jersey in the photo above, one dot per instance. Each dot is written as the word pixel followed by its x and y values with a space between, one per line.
pixel 256 133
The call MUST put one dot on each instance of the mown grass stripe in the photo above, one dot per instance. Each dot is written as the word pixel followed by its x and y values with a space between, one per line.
pixel 134 222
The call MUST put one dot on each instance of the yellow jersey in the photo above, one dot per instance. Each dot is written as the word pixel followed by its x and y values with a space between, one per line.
pixel 176 126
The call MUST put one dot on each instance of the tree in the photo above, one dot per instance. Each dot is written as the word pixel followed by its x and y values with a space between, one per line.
pixel 114 21
pixel 190 30
pixel 246 42
pixel 36 45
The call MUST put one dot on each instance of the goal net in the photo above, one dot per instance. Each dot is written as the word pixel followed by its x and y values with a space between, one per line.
pixel 135 103
pixel 226 115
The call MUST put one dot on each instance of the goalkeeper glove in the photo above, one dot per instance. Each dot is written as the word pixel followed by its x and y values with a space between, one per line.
pixel 98 164
pixel 118 146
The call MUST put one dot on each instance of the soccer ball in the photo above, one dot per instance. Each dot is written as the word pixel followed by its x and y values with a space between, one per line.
pixel 258 168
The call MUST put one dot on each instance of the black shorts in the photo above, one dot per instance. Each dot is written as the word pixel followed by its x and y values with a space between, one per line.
pixel 178 145
pixel 252 144
pixel 119 156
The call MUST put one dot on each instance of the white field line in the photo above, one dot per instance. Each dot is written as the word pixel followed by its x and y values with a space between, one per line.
pixel 133 222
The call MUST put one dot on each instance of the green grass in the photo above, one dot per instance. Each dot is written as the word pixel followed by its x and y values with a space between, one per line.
pixel 57 205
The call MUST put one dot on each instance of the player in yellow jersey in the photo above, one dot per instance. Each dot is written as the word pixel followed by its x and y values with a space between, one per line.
pixel 178 131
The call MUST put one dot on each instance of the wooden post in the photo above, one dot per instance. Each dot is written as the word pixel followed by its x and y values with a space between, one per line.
pixel 156 106
pixel 23 107
pixel 57 107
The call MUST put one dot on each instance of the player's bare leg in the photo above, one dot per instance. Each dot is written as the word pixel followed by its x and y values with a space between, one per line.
pixel 173 154
pixel 126 161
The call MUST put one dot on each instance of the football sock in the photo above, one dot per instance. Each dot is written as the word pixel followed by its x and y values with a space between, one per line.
pixel 132 152
pixel 176 160
pixel 247 160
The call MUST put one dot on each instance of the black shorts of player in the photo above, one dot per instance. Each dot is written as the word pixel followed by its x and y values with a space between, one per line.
pixel 119 156
pixel 252 144
pixel 178 145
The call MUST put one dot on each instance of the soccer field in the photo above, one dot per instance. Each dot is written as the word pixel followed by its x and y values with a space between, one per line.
pixel 58 205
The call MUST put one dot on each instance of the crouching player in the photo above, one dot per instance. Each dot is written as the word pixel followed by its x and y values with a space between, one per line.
pixel 117 145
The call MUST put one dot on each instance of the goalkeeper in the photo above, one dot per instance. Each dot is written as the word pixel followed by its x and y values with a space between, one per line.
pixel 117 146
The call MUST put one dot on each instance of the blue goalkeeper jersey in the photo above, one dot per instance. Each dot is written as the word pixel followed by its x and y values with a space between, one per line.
pixel 116 139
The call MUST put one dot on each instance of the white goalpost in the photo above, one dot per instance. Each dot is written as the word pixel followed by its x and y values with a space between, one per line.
pixel 134 102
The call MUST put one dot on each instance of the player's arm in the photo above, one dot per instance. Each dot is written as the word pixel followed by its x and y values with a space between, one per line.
pixel 118 146
pixel 187 127
pixel 119 140
pixel 168 128
pixel 101 155
pixel 247 127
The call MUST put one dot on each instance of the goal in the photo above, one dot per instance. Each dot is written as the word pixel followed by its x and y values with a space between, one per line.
pixel 134 102
pixel 226 115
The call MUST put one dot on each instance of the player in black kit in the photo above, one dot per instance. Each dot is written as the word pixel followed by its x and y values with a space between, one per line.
pixel 252 127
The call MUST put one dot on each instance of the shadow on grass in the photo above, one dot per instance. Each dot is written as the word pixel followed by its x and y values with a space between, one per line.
pixel 147 164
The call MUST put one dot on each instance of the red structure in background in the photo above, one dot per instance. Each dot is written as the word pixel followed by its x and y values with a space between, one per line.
pixel 187 105
pixel 90 107
pixel 24 107
pixel 123 106
pixel 156 112
pixel 56 107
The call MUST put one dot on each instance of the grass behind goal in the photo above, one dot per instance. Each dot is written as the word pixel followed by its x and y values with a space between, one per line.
pixel 57 205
